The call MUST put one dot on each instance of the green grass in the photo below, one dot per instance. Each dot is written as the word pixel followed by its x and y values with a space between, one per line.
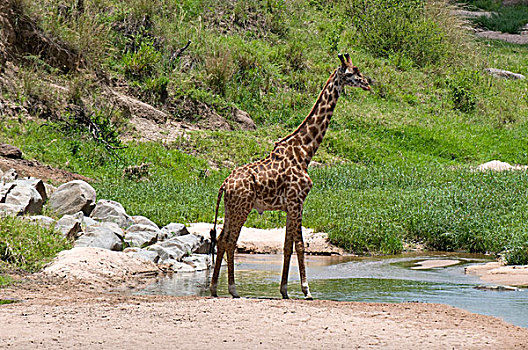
pixel 506 19
pixel 27 246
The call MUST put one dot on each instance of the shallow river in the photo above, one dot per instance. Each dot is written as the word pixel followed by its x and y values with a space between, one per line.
pixel 391 279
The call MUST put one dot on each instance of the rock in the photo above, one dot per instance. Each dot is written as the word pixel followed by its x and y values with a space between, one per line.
pixel 199 262
pixel 497 165
pixel 72 197
pixel 497 288
pixel 26 196
pixel 88 221
pixel 168 250
pixel 111 211
pixel 9 176
pixel 143 221
pixel 140 235
pixel 178 266
pixel 243 119
pixel 142 254
pixel 501 73
pixel 37 184
pixel 70 225
pixel 173 230
pixel 41 220
pixel 8 151
pixel 50 189
pixel 10 210
pixel 100 237
pixel 191 243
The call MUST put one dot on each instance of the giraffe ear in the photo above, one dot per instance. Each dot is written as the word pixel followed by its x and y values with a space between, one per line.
pixel 341 59
pixel 347 56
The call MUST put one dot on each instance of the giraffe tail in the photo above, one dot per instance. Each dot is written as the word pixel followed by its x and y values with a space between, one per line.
pixel 213 231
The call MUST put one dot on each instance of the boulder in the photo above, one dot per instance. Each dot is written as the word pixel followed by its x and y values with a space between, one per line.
pixel 9 176
pixel 72 197
pixel 501 73
pixel 178 266
pixel 199 262
pixel 111 211
pixel 50 189
pixel 10 210
pixel 8 151
pixel 143 221
pixel 37 184
pixel 140 235
pixel 100 237
pixel 70 225
pixel 173 230
pixel 26 196
pixel 88 221
pixel 243 119
pixel 40 220
pixel 142 254
pixel 168 250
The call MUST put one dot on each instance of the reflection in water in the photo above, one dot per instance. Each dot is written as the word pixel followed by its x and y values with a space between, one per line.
pixel 388 279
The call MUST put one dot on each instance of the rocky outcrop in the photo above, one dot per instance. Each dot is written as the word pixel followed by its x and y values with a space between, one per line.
pixel 9 151
pixel 173 230
pixel 111 211
pixel 140 235
pixel 103 236
pixel 73 197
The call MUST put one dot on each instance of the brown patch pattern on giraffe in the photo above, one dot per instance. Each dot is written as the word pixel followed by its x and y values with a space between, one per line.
pixel 280 182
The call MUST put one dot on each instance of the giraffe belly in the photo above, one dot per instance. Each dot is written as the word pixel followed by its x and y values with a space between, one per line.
pixel 262 205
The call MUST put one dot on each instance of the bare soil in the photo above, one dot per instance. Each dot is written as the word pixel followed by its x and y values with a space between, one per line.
pixel 46 173
pixel 56 314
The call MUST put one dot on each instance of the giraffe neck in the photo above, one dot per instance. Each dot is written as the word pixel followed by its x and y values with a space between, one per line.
pixel 307 138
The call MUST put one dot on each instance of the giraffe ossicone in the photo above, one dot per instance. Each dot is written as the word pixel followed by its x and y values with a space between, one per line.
pixel 280 182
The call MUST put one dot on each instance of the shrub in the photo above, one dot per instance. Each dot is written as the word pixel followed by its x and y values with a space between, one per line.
pixel 462 92
pixel 507 19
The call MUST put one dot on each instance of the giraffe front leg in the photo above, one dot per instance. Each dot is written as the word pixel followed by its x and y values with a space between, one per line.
pixel 231 271
pixel 296 223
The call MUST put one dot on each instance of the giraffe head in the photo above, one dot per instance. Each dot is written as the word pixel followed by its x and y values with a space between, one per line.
pixel 350 74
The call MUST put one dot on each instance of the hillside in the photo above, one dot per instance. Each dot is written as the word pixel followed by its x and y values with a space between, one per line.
pixel 193 88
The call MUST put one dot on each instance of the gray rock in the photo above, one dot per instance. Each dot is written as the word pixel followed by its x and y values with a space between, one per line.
pixel 10 210
pixel 100 237
pixel 50 189
pixel 72 197
pixel 70 225
pixel 88 221
pixel 143 221
pixel 142 254
pixel 243 119
pixel 114 227
pixel 179 266
pixel 5 188
pixel 9 176
pixel 501 73
pixel 111 211
pixel 25 196
pixel 35 183
pixel 191 242
pixel 173 230
pixel 177 247
pixel 41 220
pixel 8 151
pixel 199 262
pixel 140 235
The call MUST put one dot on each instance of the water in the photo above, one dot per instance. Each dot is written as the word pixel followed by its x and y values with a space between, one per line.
pixel 386 280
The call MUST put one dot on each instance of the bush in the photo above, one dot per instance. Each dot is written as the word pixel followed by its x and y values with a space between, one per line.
pixel 423 32
pixel 506 20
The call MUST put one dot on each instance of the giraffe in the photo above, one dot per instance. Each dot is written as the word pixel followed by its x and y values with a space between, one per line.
pixel 280 182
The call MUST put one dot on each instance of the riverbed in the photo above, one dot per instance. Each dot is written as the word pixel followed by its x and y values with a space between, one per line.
pixel 394 279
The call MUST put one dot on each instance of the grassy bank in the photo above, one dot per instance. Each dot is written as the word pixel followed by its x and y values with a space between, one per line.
pixel 397 160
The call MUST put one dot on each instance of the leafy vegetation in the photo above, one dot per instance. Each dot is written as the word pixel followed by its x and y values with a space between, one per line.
pixel 507 19
pixel 27 246
pixel 397 160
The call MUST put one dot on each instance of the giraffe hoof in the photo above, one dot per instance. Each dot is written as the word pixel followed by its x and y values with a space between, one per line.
pixel 285 296
pixel 236 296
pixel 308 297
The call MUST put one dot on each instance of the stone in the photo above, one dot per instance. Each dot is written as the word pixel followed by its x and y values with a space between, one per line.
pixel 8 151
pixel 168 250
pixel 243 119
pixel 199 262
pixel 173 230
pixel 137 219
pixel 9 176
pixel 37 184
pixel 111 211
pixel 142 254
pixel 179 266
pixel 88 221
pixel 10 210
pixel 25 196
pixel 72 197
pixel 192 243
pixel 501 73
pixel 70 225
pixel 140 235
pixel 50 189
pixel 41 220
pixel 100 237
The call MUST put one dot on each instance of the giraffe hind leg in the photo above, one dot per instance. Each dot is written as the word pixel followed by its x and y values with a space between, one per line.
pixel 218 264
